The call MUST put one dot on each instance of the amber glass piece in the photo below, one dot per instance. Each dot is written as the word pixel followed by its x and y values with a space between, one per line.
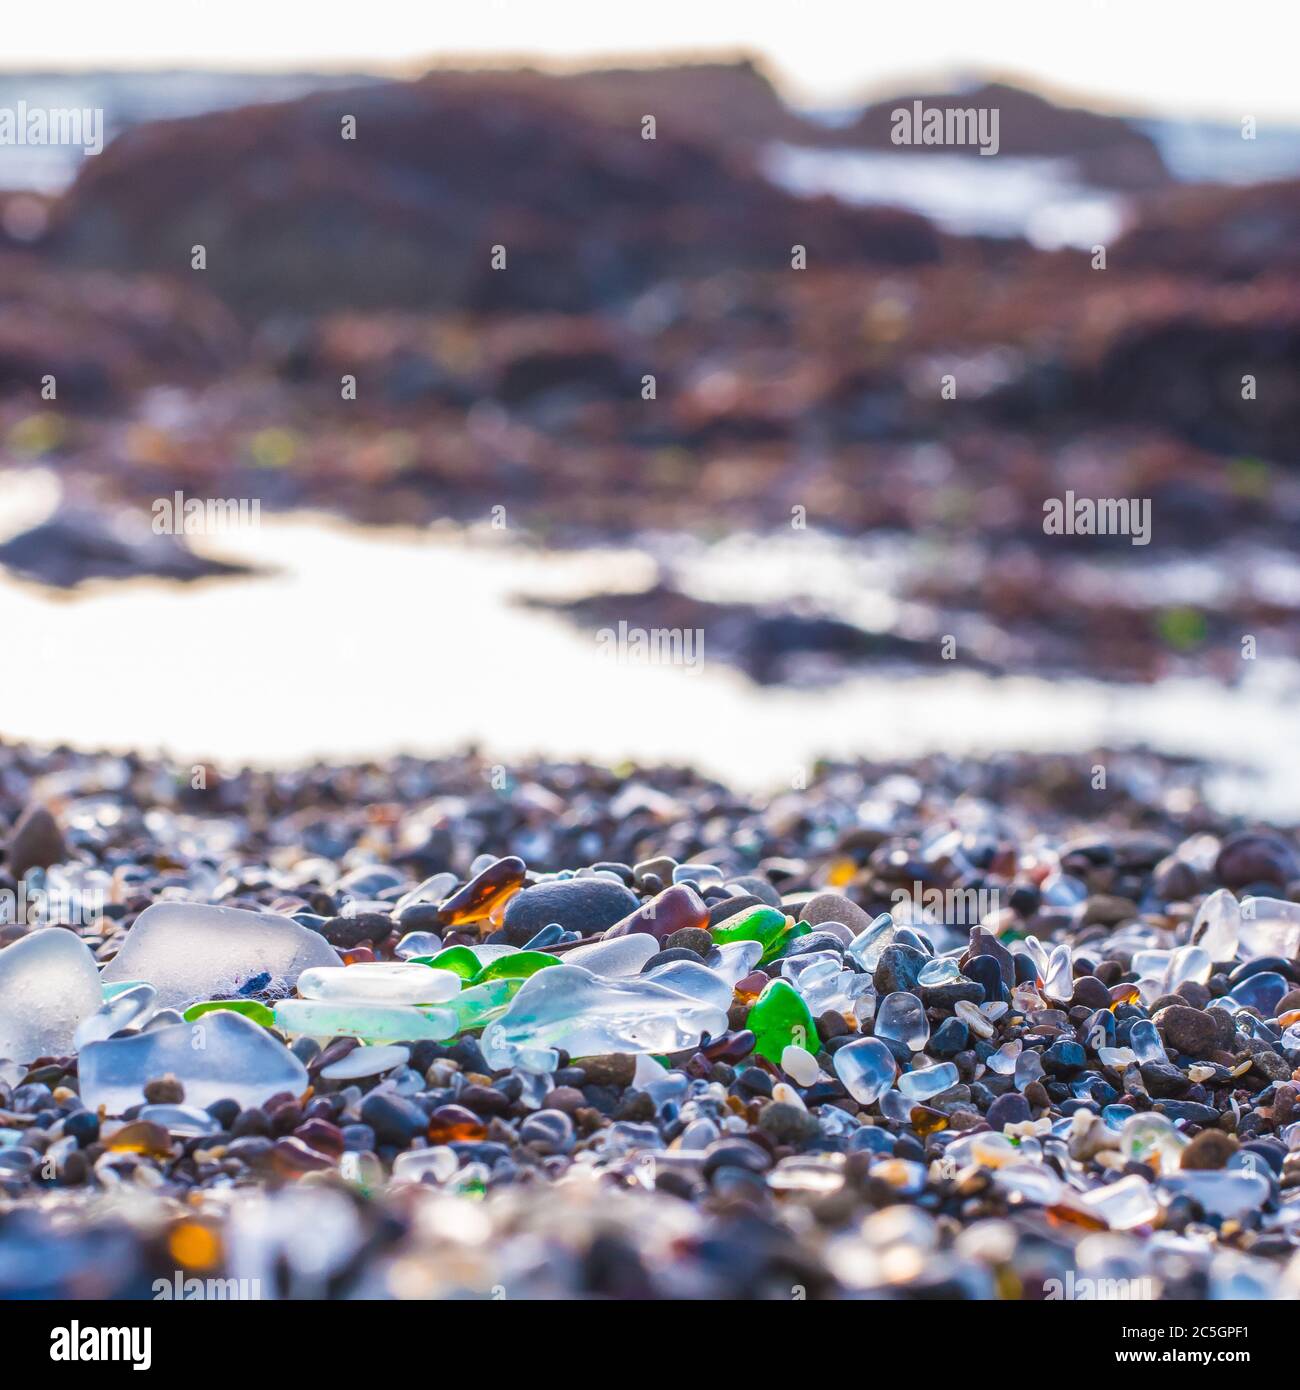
pixel 451 1123
pixel 1124 994
pixel 194 1246
pixel 141 1137
pixel 482 893
pixel 1062 1215
pixel 926 1121
pixel 673 910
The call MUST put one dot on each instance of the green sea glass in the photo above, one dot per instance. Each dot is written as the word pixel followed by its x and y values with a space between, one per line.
pixel 250 1008
pixel 779 1019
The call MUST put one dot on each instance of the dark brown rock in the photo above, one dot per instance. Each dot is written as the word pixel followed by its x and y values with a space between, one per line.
pixel 1211 1148
pixel 1195 1032
pixel 36 842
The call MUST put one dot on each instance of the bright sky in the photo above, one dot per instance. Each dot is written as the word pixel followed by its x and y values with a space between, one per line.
pixel 1194 57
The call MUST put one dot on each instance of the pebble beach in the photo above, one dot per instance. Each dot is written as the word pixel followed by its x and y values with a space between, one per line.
pixel 978 1030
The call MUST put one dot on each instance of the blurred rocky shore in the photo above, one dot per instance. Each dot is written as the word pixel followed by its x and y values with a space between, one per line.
pixel 649 358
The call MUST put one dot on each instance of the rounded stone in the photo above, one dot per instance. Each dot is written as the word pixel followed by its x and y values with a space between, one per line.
pixel 584 905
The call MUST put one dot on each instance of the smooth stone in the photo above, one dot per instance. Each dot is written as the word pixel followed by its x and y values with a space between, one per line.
pixel 36 842
pixel 394 1119
pixel 833 907
pixel 759 887
pixel 584 905
pixel 899 969
pixel 1256 857
pixel 950 1038
pixel 191 952
pixel 984 943
pixel 1009 1109
pixel 985 972
pixel 726 908
pixel 678 908
pixel 1196 1032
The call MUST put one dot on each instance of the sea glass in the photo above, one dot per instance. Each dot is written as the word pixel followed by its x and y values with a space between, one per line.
pixel 617 958
pixel 778 1018
pixel 375 1022
pixel 900 1017
pixel 569 1007
pixel 379 982
pixel 48 987
pixel 222 1056
pixel 190 951
pixel 930 1081
pixel 126 1007
pixel 867 1069
pixel 487 890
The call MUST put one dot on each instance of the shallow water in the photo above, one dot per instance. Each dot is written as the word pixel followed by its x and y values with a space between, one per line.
pixel 363 643
pixel 1039 199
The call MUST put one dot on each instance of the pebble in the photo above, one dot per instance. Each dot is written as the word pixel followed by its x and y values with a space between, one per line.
pixel 587 906
pixel 36 842
pixel 989 1123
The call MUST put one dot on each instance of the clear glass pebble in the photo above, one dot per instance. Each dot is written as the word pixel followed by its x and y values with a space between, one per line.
pixel 1058 983
pixel 922 1085
pixel 867 1069
pixel 622 955
pixel 940 972
pixel 321 1018
pixel 418 943
pixel 1029 1068
pixel 1144 1039
pixel 868 946
pixel 128 1006
pixel 901 1017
